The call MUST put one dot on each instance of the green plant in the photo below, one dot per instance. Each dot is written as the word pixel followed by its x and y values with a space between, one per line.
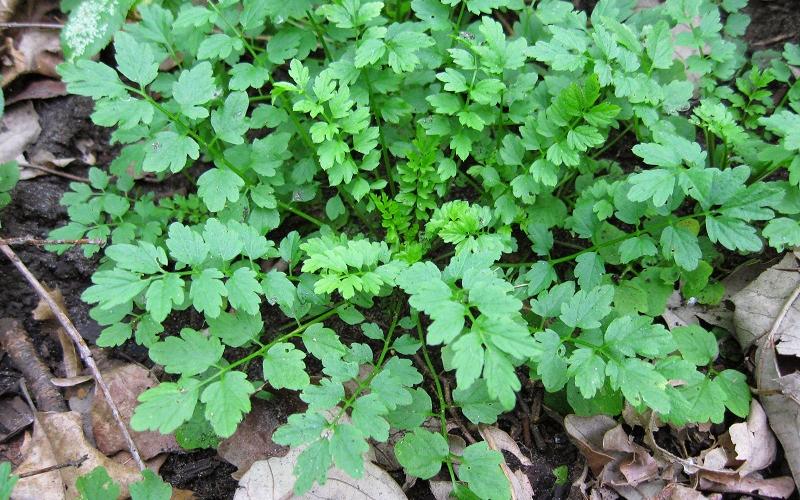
pixel 98 485
pixel 473 137
pixel 7 481
pixel 9 171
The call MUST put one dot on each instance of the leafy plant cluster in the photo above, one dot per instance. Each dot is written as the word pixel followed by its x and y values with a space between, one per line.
pixel 440 174
pixel 9 171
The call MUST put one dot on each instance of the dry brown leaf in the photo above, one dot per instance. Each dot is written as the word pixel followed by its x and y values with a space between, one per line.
pixel 126 383
pixel 35 51
pixel 273 479
pixel 19 128
pixel 40 158
pixel 640 466
pixel 42 311
pixel 59 438
pixel 754 443
pixel 252 440
pixel 754 484
pixel 676 491
pixel 44 88
pixel 757 307
pixel 587 434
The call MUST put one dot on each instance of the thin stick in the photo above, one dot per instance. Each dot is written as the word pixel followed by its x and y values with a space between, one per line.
pixel 72 463
pixel 44 26
pixel 30 240
pixel 56 172
pixel 781 316
pixel 86 354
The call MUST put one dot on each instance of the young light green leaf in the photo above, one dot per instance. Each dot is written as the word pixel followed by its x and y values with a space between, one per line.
pixel 227 400
pixel 421 453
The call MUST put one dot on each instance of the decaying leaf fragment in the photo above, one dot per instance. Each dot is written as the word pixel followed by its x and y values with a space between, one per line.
pixel 766 319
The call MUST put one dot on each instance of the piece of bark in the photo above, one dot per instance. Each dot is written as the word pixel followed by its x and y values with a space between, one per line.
pixel 20 350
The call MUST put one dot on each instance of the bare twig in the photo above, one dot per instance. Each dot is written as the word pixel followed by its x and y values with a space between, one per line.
pixel 83 349
pixel 72 463
pixel 53 171
pixel 774 39
pixel 30 240
pixel 44 26
pixel 14 339
pixel 454 411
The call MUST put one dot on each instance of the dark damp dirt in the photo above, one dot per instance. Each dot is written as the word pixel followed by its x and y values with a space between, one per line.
pixel 35 210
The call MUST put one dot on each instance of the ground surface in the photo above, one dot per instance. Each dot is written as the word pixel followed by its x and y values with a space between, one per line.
pixel 35 211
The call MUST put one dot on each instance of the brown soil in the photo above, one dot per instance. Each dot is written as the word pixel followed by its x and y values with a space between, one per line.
pixel 35 210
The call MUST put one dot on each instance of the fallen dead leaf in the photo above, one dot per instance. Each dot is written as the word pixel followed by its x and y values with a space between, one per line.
pixel 42 311
pixel 126 383
pixel 252 440
pixel 761 307
pixel 35 51
pixel 58 438
pixel 679 492
pixel 587 434
pixel 40 158
pixel 273 479
pixel 19 128
pixel 753 441
pixel 44 88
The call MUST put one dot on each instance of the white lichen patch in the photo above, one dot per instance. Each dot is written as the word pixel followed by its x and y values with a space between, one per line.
pixel 87 24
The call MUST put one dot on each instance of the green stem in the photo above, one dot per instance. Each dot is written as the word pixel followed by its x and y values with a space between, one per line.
pixel 320 35
pixel 440 395
pixel 294 333
pixel 384 149
pixel 387 342
pixel 608 243
pixel 300 213
pixel 610 144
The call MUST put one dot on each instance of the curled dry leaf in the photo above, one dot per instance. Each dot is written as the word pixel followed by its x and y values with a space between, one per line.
pixel 273 479
pixel 753 441
pixel 587 434
pixel 19 128
pixel 126 382
pixel 766 316
pixel 34 52
pixel 252 440
pixel 58 438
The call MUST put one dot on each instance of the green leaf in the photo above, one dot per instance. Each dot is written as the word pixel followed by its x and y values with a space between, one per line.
pixel 733 234
pixel 312 466
pixel 230 122
pixel 413 414
pixel 636 247
pixel 403 48
pixel 697 345
pixel 227 400
pixel 91 25
pixel 191 354
pixel 421 453
pixel 480 469
pixel 323 343
pixel 162 295
pixel 135 60
pixel 659 46
pixel 151 487
pixel 588 368
pixel 97 485
pixel 186 245
pixel 245 75
pixel 476 403
pixel 169 150
pixel 194 88
pixel 656 184
pixel 301 428
pixel 236 330
pixel 589 270
pixel 115 335
pixel 284 367
pixel 587 307
pixel 278 289
pixel 207 291
pixel 347 447
pixel 91 79
pixel 243 290
pixel 217 187
pixel 679 244
pixel 112 288
pixel 166 406
pixel 218 46
pixel 7 480
pixel 782 232
pixel 733 385
pixel 428 293
pixel 368 417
